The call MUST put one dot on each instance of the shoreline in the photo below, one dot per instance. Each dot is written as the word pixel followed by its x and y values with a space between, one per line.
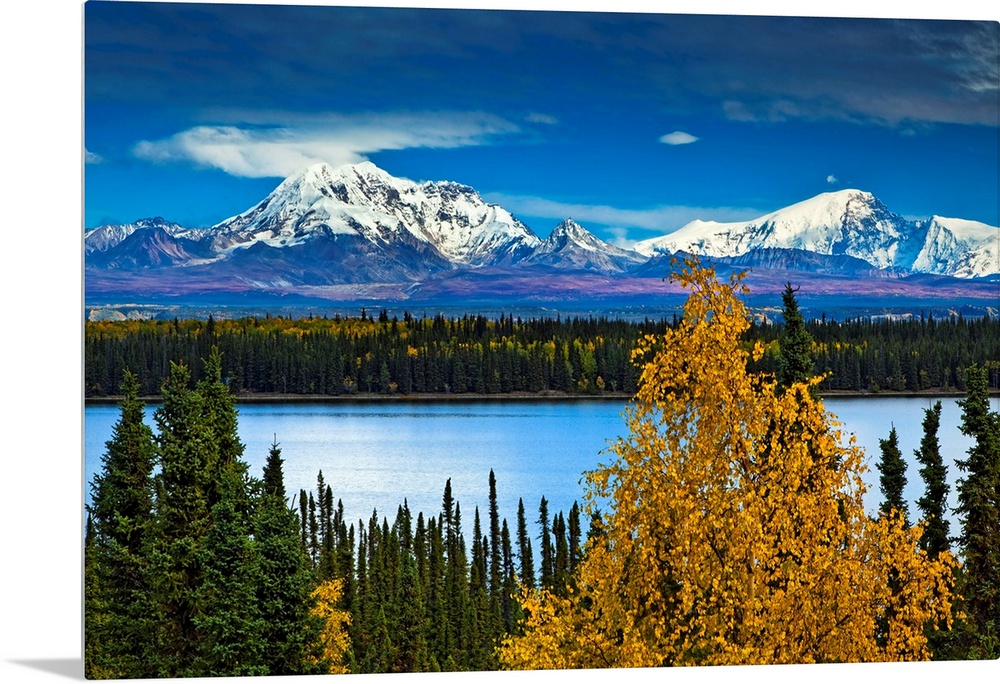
pixel 470 397
pixel 376 398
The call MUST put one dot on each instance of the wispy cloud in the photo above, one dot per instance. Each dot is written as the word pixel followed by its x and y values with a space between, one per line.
pixel 539 118
pixel 831 179
pixel 678 138
pixel 272 145
pixel 91 157
pixel 623 227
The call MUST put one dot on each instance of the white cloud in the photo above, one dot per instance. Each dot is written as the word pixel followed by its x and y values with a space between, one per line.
pixel 678 138
pixel 831 179
pixel 537 117
pixel 622 227
pixel 278 145
pixel 91 157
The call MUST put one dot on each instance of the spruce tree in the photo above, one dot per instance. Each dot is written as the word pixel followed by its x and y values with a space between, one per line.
pixel 496 560
pixel 796 361
pixel 285 584
pixel 574 532
pixel 933 504
pixel 225 451
pixel 547 570
pixel 437 622
pixel 979 505
pixel 457 588
pixel 182 522
pixel 892 476
pixel 411 654
pixel 560 565
pixel 229 639
pixel 273 476
pixel 524 555
pixel 509 610
pixel 119 527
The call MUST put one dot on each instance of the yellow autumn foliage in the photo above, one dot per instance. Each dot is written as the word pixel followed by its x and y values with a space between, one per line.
pixel 734 530
pixel 333 639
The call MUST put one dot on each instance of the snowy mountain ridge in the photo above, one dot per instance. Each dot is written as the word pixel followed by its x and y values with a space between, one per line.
pixel 359 224
pixel 363 200
pixel 847 222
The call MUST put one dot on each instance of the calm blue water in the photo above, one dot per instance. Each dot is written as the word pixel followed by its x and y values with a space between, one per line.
pixel 375 455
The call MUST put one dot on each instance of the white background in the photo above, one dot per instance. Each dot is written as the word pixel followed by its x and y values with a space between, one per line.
pixel 41 447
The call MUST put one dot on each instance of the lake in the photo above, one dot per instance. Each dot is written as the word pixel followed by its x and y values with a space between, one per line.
pixel 374 455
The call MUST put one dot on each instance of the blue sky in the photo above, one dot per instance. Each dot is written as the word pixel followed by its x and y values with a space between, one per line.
pixel 633 124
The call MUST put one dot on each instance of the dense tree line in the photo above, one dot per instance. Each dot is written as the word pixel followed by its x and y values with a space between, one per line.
pixel 426 593
pixel 195 568
pixel 475 354
pixel 906 355
pixel 338 356
pixel 191 566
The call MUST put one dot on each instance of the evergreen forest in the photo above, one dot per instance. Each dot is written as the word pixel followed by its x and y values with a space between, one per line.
pixel 507 355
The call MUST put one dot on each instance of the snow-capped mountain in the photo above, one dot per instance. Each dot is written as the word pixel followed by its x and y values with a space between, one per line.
pixel 105 237
pixel 151 247
pixel 571 246
pixel 849 222
pixel 957 247
pixel 442 219
pixel 355 231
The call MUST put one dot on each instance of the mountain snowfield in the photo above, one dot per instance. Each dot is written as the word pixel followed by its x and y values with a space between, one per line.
pixel 848 222
pixel 572 246
pixel 357 224
pixel 363 200
pixel 960 248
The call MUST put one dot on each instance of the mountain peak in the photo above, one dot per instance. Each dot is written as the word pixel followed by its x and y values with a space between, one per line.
pixel 571 246
pixel 570 227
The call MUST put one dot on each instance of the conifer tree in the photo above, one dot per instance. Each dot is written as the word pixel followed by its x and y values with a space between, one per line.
pixel 547 570
pixel 457 588
pixel 979 506
pixel 229 639
pixel 524 555
pixel 183 520
pixel 437 611
pixel 892 477
pixel 284 587
pixel 560 564
pixel 119 528
pixel 224 451
pixel 509 610
pixel 496 560
pixel 273 475
pixel 933 504
pixel 411 653
pixel 796 361
pixel 574 537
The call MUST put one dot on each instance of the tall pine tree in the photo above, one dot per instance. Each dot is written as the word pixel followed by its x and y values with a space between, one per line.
pixel 979 506
pixel 182 522
pixel 892 476
pixel 524 554
pixel 547 560
pixel 933 504
pixel 119 517
pixel 796 361
pixel 289 630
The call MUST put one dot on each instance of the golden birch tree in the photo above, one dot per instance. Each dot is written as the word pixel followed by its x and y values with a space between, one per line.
pixel 733 529
pixel 334 640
